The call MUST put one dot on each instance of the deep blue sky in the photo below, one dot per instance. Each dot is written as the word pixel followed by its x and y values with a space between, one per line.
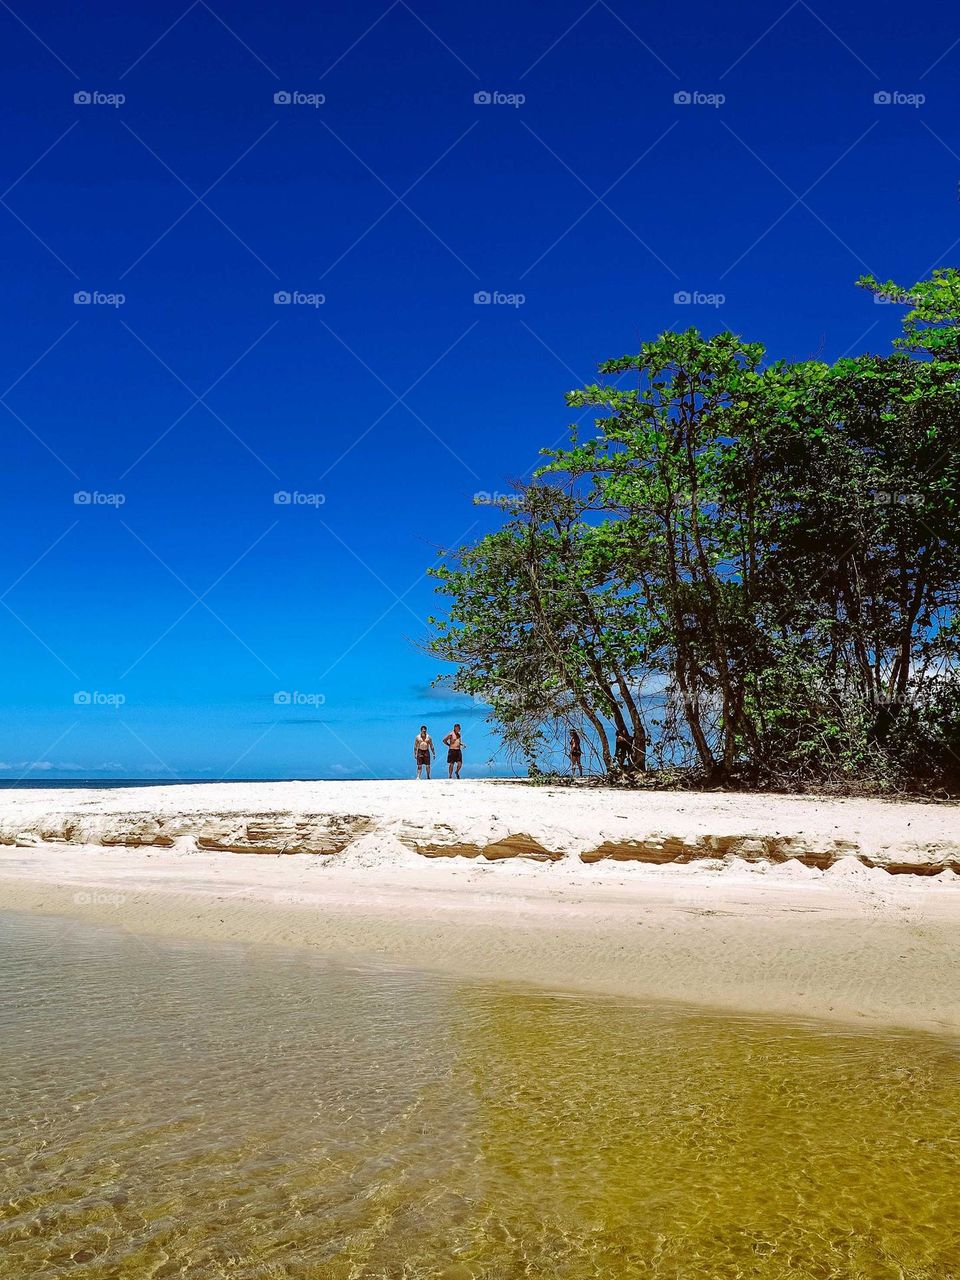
pixel 399 398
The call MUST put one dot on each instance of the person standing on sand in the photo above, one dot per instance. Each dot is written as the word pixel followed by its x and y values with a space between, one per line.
pixel 575 753
pixel 455 747
pixel 423 748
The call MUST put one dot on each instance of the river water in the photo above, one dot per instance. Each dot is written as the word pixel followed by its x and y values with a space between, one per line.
pixel 212 1111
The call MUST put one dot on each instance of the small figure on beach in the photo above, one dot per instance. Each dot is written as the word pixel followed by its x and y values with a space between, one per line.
pixel 423 749
pixel 575 753
pixel 624 752
pixel 455 747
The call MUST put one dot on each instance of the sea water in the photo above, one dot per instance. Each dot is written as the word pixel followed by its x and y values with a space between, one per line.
pixel 216 1111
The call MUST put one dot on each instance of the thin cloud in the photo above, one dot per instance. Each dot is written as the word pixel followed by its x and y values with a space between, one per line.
pixel 63 766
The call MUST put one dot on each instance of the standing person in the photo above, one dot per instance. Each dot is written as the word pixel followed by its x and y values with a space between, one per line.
pixel 575 753
pixel 422 750
pixel 624 755
pixel 455 748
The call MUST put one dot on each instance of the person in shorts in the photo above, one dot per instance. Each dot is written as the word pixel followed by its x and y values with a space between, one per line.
pixel 423 749
pixel 455 746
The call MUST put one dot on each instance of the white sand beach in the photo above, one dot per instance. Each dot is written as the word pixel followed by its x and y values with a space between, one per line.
pixel 842 909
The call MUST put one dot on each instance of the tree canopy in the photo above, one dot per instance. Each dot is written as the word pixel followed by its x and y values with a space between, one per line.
pixel 748 572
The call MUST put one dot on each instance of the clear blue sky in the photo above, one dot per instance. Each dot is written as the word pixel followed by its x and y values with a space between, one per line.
pixel 598 198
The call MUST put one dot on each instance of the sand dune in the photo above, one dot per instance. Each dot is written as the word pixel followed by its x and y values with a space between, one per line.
pixel 767 904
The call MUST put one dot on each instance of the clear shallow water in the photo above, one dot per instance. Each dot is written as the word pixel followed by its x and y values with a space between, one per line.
pixel 196 1111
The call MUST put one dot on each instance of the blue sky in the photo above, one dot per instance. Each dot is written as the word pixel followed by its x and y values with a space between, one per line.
pixel 149 630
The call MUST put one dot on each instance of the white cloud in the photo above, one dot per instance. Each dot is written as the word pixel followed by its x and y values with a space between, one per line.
pixel 63 766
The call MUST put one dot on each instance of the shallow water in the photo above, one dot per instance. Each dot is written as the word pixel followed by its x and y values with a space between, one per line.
pixel 201 1111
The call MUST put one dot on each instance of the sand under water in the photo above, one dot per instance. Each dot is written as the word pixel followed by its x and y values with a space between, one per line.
pixel 206 1110
pixel 339 1031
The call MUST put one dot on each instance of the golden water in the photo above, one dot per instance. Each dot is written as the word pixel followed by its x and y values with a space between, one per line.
pixel 191 1111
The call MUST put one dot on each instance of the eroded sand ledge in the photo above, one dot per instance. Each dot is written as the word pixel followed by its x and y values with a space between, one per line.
pixel 494 821
pixel 758 904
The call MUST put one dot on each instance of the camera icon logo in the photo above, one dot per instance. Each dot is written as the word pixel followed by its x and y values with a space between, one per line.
pixel 282 97
pixel 282 298
pixel 82 298
pixel 281 699
pixel 682 298
pixel 82 498
pixel 81 698
pixel 281 498
pixel 683 97
pixel 482 98
pixel 82 97
pixel 483 298
pixel 882 98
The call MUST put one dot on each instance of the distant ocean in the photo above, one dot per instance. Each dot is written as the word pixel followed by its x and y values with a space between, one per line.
pixel 111 784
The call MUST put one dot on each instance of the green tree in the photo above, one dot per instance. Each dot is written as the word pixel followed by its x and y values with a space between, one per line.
pixel 673 535
pixel 540 632
pixel 759 562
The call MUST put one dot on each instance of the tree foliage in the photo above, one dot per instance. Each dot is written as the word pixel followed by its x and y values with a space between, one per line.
pixel 749 570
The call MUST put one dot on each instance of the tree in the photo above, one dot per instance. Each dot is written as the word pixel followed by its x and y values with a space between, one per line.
pixel 932 324
pixel 537 629
pixel 656 467
pixel 758 561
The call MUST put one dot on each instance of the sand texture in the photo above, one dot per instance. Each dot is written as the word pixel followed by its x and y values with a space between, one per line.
pixel 844 909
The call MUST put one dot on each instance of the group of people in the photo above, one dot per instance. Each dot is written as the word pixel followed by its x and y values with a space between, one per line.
pixel 424 751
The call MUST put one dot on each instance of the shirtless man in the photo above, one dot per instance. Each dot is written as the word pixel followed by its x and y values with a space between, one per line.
pixel 423 748
pixel 455 747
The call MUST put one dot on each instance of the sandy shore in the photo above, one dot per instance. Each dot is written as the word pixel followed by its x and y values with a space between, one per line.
pixel 760 904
